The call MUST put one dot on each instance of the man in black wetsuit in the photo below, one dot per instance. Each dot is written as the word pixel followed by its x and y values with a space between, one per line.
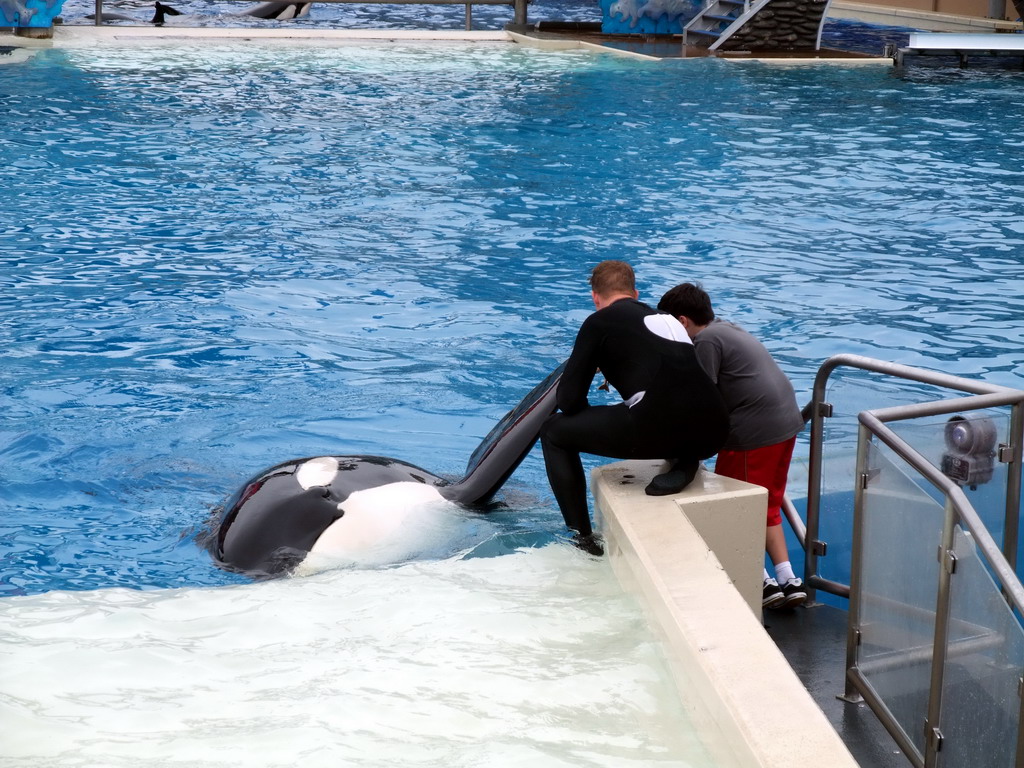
pixel 670 409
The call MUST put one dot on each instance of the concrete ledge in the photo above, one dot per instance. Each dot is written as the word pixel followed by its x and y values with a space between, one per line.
pixel 915 19
pixel 731 676
pixel 567 43
pixel 884 61
pixel 70 36
pixel 549 43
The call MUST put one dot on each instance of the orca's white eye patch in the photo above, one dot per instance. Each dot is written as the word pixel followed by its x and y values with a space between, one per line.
pixel 317 472
pixel 667 327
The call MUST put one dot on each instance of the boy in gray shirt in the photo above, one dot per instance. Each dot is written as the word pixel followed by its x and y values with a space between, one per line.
pixel 764 420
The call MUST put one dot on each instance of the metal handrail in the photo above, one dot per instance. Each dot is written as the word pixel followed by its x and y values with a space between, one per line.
pixel 958 509
pixel 519 7
pixel 1001 563
pixel 817 410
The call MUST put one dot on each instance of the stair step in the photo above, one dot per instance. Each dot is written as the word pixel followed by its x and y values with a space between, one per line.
pixel 707 32
pixel 715 17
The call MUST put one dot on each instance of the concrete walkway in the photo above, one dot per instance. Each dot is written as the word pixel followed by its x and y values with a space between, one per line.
pixel 915 19
pixel 813 640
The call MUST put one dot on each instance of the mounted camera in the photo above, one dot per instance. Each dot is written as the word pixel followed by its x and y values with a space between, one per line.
pixel 970 458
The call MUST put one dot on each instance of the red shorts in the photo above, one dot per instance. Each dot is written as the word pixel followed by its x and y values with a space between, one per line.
pixel 767 467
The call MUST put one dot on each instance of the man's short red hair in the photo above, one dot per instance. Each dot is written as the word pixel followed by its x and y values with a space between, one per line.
pixel 611 277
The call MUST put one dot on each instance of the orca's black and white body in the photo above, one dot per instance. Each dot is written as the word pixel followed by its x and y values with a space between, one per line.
pixel 111 16
pixel 277 9
pixel 331 504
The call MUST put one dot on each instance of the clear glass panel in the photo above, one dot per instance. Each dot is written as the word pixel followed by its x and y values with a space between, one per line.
pixel 984 662
pixel 902 529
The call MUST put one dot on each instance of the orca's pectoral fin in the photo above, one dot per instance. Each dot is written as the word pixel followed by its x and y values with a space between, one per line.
pixel 160 11
pixel 507 444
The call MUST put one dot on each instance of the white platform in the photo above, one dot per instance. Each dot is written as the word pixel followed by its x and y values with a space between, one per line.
pixel 965 42
pixel 915 18
pixel 961 45
pixel 732 678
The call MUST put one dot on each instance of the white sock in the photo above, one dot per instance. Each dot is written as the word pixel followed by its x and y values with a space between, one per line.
pixel 766 576
pixel 784 572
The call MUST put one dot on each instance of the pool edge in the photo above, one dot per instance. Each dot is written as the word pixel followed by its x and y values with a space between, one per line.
pixel 732 678
pixel 78 36
pixel 69 36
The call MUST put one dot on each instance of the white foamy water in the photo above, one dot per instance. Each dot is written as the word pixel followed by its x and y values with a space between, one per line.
pixel 530 659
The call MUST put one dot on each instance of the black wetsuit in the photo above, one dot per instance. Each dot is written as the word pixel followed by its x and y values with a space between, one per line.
pixel 681 414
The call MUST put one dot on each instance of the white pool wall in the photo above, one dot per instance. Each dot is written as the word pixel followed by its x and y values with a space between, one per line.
pixel 688 559
pixel 65 36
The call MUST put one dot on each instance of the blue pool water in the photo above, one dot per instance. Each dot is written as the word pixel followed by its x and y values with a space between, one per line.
pixel 221 258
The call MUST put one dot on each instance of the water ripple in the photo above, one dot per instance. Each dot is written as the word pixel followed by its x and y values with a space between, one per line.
pixel 214 263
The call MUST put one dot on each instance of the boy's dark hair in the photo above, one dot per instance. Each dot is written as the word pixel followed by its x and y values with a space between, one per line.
pixel 688 300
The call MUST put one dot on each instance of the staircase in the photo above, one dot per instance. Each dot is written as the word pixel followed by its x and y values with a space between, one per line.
pixel 758 25
pixel 718 20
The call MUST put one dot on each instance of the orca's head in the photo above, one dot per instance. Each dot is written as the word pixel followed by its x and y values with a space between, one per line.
pixel 278 517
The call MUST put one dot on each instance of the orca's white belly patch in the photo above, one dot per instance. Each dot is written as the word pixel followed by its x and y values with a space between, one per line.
pixel 374 516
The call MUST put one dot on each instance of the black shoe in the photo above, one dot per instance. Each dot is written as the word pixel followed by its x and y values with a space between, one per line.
pixel 590 544
pixel 794 593
pixel 772 595
pixel 675 480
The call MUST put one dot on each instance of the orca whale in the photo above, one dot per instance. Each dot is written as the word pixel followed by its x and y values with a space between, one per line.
pixel 321 504
pixel 276 9
pixel 111 16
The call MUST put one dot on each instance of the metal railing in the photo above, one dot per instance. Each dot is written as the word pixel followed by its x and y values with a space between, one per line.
pixel 818 410
pixel 519 14
pixel 957 511
pixel 923 632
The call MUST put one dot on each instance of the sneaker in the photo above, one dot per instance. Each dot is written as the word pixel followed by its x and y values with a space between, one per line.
pixel 772 596
pixel 794 593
